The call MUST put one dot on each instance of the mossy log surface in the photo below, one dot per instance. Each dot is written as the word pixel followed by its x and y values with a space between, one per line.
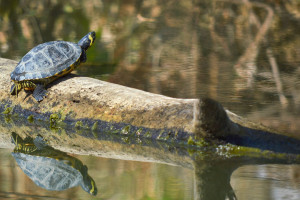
pixel 93 104
pixel 78 98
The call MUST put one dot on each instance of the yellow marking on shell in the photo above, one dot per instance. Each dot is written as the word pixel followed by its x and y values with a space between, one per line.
pixel 91 39
pixel 66 71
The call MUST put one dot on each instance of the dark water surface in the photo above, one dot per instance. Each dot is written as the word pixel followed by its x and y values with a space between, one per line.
pixel 244 54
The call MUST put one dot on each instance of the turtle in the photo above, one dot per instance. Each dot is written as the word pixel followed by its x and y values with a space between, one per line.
pixel 46 62
pixel 50 168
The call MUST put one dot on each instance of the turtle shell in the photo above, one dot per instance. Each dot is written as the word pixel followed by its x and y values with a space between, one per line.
pixel 46 60
pixel 49 173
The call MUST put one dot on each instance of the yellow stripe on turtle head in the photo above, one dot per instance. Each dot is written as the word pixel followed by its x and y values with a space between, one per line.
pixel 92 190
pixel 91 39
pixel 87 40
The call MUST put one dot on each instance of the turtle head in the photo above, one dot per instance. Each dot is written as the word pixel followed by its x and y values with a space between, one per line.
pixel 88 184
pixel 87 40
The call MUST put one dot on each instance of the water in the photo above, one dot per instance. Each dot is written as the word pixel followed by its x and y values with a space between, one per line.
pixel 128 177
pixel 184 49
pixel 115 179
pixel 267 182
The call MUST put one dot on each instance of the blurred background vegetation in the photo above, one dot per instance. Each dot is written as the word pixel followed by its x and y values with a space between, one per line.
pixel 244 54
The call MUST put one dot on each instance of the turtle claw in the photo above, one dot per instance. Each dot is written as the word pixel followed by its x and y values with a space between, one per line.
pixel 39 93
pixel 39 142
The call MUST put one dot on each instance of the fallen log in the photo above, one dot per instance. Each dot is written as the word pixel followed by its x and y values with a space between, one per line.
pixel 88 103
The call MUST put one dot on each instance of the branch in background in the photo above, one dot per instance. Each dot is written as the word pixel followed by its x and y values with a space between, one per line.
pixel 276 76
pixel 271 57
pixel 249 56
pixel 34 23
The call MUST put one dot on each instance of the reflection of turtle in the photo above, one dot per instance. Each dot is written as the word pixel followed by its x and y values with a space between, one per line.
pixel 50 168
pixel 47 62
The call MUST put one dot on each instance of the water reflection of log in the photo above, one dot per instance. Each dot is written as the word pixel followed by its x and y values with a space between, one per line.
pixel 212 169
pixel 213 180
pixel 212 176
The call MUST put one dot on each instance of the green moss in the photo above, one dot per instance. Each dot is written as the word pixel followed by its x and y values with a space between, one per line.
pixel 191 141
pixel 238 150
pixel 232 150
pixel 191 152
pixel 160 134
pixel 30 118
pixel 95 134
pixel 115 131
pixel 139 141
pixel 202 142
pixel 54 118
pixel 78 124
pixel 126 140
pixel 125 130
pixel 148 134
pixel 198 142
pixel 95 126
pixel 54 128
pixel 139 131
pixel 7 119
pixel 15 115
pixel 176 134
pixel 165 137
pixel 7 111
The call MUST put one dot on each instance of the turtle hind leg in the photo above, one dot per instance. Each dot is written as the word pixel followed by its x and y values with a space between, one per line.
pixel 39 92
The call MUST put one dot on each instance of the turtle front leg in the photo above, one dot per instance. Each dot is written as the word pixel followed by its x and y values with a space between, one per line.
pixel 15 89
pixel 39 92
